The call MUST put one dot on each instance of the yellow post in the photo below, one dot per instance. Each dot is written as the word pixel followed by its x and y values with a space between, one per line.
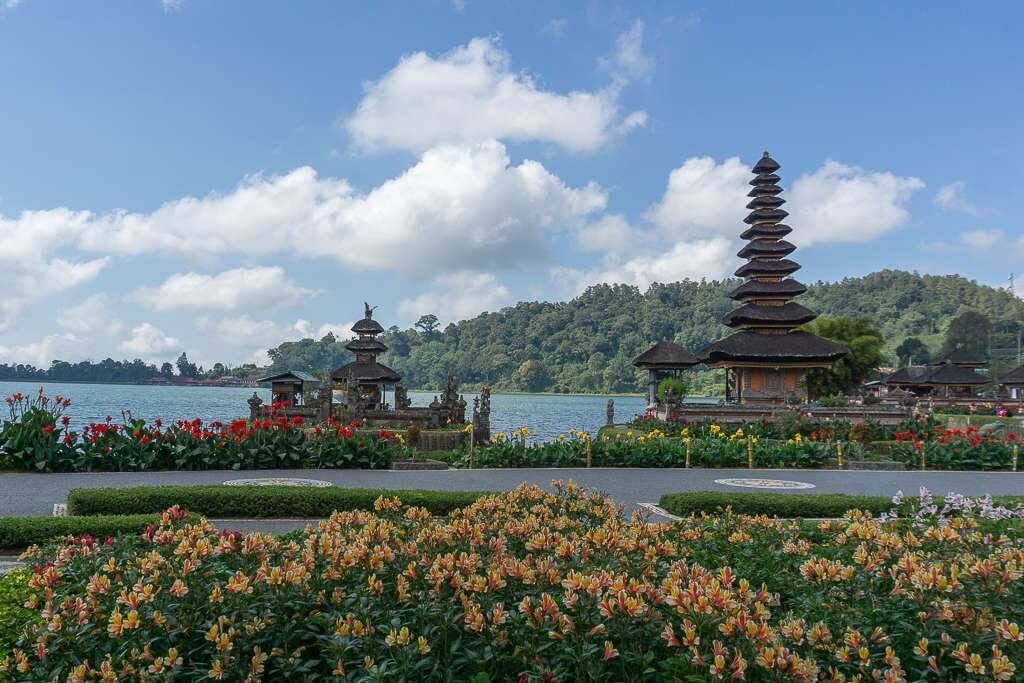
pixel 1016 455
pixel 839 453
pixel 689 449
pixel 750 452
pixel 472 443
pixel 588 454
pixel 922 458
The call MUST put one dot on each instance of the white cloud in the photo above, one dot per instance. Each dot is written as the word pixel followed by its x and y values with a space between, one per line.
pixel 951 197
pixel 457 296
pixel 982 239
pixel 231 290
pixel 244 331
pixel 840 203
pixel 9 4
pixel 33 276
pixel 306 330
pixel 148 341
pixel 92 316
pixel 459 6
pixel 629 59
pixel 42 352
pixel 170 5
pixel 556 27
pixel 470 95
pixel 697 259
pixel 636 119
pixel 703 198
pixel 611 233
pixel 457 205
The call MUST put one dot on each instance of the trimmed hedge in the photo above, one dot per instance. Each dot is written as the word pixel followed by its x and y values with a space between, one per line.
pixel 256 501
pixel 21 532
pixel 787 505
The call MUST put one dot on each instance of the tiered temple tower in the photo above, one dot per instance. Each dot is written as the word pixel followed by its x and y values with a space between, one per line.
pixel 767 355
pixel 364 379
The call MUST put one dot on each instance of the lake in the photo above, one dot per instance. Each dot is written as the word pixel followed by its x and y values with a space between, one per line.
pixel 547 415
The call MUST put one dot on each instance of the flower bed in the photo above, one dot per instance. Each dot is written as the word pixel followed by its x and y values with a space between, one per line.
pixel 653 449
pixel 533 586
pixel 956 449
pixel 38 437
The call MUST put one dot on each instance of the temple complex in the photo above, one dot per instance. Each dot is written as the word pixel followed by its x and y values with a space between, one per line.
pixel 952 376
pixel 767 357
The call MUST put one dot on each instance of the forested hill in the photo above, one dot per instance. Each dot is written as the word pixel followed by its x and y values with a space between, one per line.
pixel 587 344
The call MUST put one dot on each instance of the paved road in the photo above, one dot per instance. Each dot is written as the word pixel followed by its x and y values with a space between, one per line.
pixel 35 494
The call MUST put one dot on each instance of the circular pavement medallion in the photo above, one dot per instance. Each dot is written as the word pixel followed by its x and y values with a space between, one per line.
pixel 765 483
pixel 278 481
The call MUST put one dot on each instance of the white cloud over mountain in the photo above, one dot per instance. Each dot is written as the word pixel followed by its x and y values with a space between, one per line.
pixel 231 290
pixel 457 296
pixel 148 342
pixel 471 95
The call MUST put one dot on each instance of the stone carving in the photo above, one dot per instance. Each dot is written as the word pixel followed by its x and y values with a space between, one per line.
pixel 254 406
pixel 609 413
pixel 482 416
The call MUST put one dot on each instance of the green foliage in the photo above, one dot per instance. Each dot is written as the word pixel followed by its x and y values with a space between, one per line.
pixel 14 591
pixel 21 532
pixel 913 351
pixel 968 331
pixel 865 343
pixel 785 505
pixel 955 449
pixel 671 387
pixel 255 501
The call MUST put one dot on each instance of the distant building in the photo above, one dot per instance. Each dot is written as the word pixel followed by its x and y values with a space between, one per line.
pixel 952 376
pixel 767 358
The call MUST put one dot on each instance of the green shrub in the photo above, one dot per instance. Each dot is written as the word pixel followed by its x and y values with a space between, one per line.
pixel 255 501
pixel 14 591
pixel 785 505
pixel 671 388
pixel 21 532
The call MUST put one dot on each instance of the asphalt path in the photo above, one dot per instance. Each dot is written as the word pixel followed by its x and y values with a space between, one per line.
pixel 36 494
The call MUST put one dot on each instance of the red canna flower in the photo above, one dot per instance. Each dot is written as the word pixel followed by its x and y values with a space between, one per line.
pixel 48 428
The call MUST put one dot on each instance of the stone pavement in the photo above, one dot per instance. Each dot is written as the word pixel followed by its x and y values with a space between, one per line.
pixel 36 494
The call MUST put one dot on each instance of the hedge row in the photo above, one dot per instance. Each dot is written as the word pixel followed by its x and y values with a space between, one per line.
pixel 21 532
pixel 785 504
pixel 255 501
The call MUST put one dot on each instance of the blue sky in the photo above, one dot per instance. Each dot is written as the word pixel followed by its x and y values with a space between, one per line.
pixel 217 177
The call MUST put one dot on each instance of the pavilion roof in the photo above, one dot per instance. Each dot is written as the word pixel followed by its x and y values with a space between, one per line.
pixel 764 267
pixel 792 347
pixel 962 357
pixel 752 289
pixel 914 374
pixel 366 346
pixel 292 376
pixel 954 375
pixel 370 372
pixel 766 248
pixel 790 314
pixel 766 231
pixel 667 355
pixel 368 326
pixel 1015 376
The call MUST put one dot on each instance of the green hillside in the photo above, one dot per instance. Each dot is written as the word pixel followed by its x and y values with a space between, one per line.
pixel 587 344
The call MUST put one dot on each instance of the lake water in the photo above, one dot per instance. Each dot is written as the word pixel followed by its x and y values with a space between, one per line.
pixel 547 415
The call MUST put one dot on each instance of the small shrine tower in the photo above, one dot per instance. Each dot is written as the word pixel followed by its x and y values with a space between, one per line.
pixel 365 380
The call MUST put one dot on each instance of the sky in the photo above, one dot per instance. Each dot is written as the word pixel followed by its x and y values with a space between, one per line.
pixel 217 177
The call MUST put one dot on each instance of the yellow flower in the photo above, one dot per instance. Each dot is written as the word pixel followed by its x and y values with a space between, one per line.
pixel 422 647
pixel 216 671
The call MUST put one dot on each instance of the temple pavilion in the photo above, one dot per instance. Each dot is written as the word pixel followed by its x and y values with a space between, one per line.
pixel 365 380
pixel 664 359
pixel 952 376
pixel 767 357
pixel 1013 383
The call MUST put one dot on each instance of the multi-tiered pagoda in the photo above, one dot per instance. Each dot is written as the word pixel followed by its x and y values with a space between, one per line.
pixel 364 379
pixel 768 356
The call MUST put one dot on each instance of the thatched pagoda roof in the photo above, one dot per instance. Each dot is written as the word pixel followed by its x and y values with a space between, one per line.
pixel 290 377
pixel 963 358
pixel 366 372
pixel 666 355
pixel 752 289
pixel 1015 376
pixel 755 347
pixel 789 314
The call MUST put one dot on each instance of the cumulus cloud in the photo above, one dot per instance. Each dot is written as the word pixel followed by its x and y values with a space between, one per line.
pixel 703 198
pixel 148 341
pixel 470 95
pixel 231 290
pixel 34 277
pixel 696 259
pixel 457 296
pixel 41 353
pixel 245 331
pixel 952 198
pixel 457 205
pixel 840 203
pixel 91 316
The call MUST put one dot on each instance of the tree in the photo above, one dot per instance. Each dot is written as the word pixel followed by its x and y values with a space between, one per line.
pixel 968 331
pixel 865 343
pixel 427 325
pixel 219 369
pixel 912 351
pixel 185 368
pixel 531 376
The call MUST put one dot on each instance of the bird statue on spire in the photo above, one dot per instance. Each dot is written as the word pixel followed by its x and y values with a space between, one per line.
pixel 369 310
